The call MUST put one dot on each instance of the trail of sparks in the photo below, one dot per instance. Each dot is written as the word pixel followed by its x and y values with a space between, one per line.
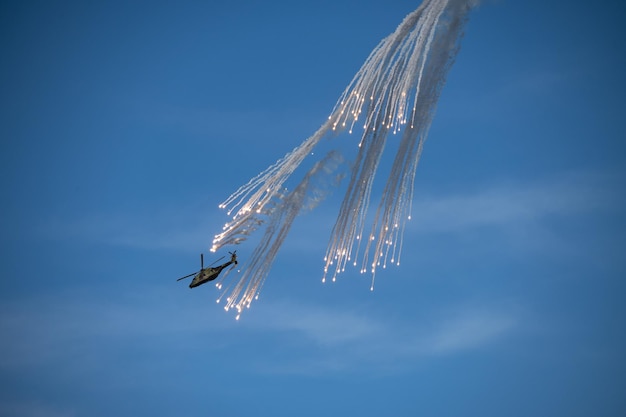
pixel 308 193
pixel 395 91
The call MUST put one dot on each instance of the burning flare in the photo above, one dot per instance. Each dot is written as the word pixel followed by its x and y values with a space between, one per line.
pixel 394 93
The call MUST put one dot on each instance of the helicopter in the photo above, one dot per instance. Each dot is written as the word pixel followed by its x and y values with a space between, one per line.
pixel 209 274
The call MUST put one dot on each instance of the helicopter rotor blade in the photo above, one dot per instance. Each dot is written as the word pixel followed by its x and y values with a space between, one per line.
pixel 187 276
pixel 217 261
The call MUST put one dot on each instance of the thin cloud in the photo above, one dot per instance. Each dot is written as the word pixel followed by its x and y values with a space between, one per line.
pixel 379 342
pixel 468 331
pixel 324 327
pixel 182 229
pixel 524 85
pixel 492 206
pixel 510 204
pixel 78 331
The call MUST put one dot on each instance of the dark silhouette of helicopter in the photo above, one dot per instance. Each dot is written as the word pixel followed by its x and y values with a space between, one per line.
pixel 209 274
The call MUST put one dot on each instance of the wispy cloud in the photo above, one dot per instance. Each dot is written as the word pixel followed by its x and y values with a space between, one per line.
pixel 472 329
pixel 323 327
pixel 515 203
pixel 509 90
pixel 182 229
pixel 505 206
pixel 348 341
pixel 79 331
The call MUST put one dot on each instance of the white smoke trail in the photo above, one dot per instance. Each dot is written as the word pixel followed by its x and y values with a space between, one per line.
pixel 395 91
pixel 306 195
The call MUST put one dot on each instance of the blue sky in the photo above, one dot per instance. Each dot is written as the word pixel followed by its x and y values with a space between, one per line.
pixel 125 124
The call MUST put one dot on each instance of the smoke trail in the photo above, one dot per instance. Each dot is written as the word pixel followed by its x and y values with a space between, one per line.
pixel 395 91
pixel 307 194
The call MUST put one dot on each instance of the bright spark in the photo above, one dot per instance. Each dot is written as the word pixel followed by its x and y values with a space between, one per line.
pixel 405 71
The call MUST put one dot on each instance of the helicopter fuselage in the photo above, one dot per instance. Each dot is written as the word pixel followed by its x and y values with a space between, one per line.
pixel 207 274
